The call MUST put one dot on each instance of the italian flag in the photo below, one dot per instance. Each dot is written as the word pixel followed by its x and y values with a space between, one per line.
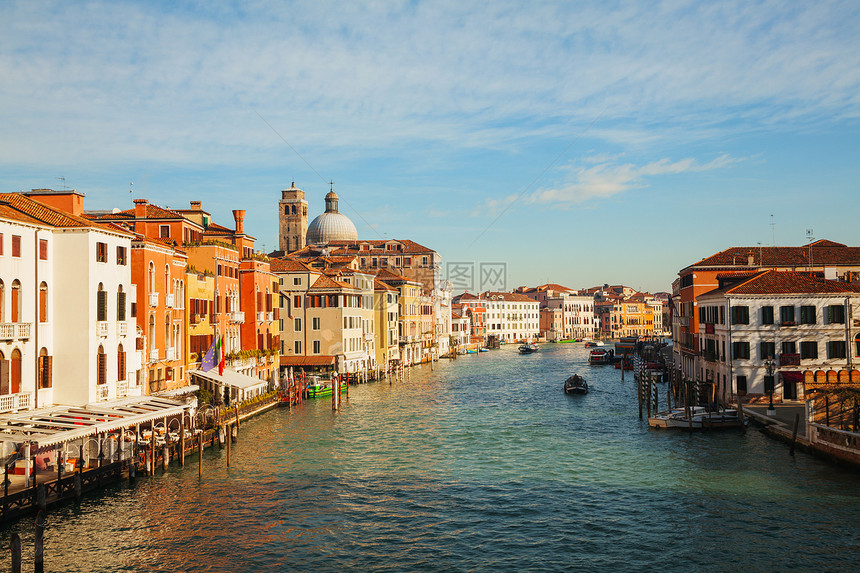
pixel 219 354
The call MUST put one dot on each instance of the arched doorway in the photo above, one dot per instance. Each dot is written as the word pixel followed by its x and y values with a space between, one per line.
pixel 15 371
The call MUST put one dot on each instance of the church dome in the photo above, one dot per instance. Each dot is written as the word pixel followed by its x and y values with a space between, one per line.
pixel 331 225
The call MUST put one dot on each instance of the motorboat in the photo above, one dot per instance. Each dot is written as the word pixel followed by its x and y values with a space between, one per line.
pixel 698 418
pixel 528 348
pixel 576 384
pixel 601 356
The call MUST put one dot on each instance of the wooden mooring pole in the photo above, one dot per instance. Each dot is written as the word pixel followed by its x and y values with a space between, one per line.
pixel 15 547
pixel 39 543
pixel 639 395
pixel 229 432
pixel 200 454
pixel 794 434
pixel 182 441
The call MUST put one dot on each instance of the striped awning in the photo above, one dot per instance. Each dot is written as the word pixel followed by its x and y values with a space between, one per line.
pixel 62 424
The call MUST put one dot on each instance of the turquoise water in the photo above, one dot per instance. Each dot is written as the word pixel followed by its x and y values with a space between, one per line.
pixel 482 464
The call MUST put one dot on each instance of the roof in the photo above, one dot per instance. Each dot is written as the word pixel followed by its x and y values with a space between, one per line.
pixel 287 266
pixel 387 275
pixel 152 212
pixel 823 252
pixel 323 360
pixel 22 208
pixel 325 282
pixel 786 282
pixel 507 296
pixel 231 378
pixel 379 285
pixel 62 424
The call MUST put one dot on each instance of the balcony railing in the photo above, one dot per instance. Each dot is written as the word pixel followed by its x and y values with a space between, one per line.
pixel 153 299
pixel 270 316
pixel 237 317
pixel 11 402
pixel 788 323
pixel 15 330
pixel 261 317
pixel 789 359
pixel 709 355
pixel 122 389
pixel 169 299
pixel 122 328
pixel 153 355
pixel 102 392
pixel 102 328
pixel 172 353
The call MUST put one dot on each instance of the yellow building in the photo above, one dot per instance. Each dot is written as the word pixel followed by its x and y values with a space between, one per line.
pixel 386 319
pixel 409 315
pixel 199 294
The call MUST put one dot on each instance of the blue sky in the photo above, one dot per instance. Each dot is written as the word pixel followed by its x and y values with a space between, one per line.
pixel 577 142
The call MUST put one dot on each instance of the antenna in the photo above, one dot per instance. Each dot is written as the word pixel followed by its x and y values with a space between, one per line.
pixel 760 256
pixel 772 233
pixel 63 179
pixel 131 193
pixel 811 238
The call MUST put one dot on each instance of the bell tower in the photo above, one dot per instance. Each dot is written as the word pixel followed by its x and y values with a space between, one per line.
pixel 292 219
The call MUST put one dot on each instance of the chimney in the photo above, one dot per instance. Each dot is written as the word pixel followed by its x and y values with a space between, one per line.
pixel 239 216
pixel 197 205
pixel 69 200
pixel 140 208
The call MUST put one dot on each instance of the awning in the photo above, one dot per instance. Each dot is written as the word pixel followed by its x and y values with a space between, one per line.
pixel 180 391
pixel 230 378
pixel 307 360
pixel 791 376
pixel 62 424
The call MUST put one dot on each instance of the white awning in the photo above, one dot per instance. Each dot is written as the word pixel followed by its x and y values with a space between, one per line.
pixel 62 424
pixel 231 378
pixel 179 391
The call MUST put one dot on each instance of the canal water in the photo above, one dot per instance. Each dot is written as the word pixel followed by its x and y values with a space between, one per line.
pixel 482 464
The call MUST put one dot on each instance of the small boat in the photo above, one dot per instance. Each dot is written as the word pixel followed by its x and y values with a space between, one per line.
pixel 484 350
pixel 626 363
pixel 590 344
pixel 567 341
pixel 699 419
pixel 323 389
pixel 576 384
pixel 601 356
pixel 528 348
pixel 470 351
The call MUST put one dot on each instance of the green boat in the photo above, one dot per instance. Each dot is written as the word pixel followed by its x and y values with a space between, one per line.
pixel 566 341
pixel 323 389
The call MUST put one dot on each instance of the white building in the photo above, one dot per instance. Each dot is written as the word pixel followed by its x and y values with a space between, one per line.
pixel 442 296
pixel 75 276
pixel 763 330
pixel 511 316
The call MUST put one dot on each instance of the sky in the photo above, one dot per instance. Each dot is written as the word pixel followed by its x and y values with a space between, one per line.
pixel 579 143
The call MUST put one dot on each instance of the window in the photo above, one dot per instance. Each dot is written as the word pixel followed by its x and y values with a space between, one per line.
pixel 316 346
pixel 767 315
pixel 836 348
pixel 807 315
pixel 767 350
pixel 164 231
pixel 809 349
pixel 120 256
pixel 120 363
pixel 45 367
pixel 297 302
pixel 16 301
pixel 101 252
pixel 740 349
pixel 297 281
pixel 786 315
pixel 1 243
pixel 120 305
pixel 16 245
pixel 43 249
pixel 43 302
pixel 101 304
pixel 836 314
pixel 316 323
pixel 102 364
pixel 740 315
pixel 297 325
pixel 297 346
pixel 789 348
pixel 742 385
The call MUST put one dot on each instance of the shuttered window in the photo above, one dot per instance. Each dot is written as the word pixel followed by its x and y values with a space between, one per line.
pixel 43 249
pixel 120 364
pixel 45 368
pixel 102 360
pixel 101 306
pixel 120 306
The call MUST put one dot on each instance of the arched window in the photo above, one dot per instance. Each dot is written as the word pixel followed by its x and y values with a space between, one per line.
pixel 120 304
pixel 293 210
pixel 167 330
pixel 151 277
pixel 4 374
pixel 43 302
pixel 15 373
pixel 120 363
pixel 151 334
pixel 16 301
pixel 101 303
pixel 45 368
pixel 166 280
pixel 101 361
pixel 2 301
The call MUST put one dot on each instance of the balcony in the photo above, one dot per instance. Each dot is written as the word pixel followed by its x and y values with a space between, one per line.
pixel 709 355
pixel 102 328
pixel 12 402
pixel 789 359
pixel 270 316
pixel 788 323
pixel 261 317
pixel 102 392
pixel 122 389
pixel 122 328
pixel 169 300
pixel 15 330
pixel 237 317
pixel 153 355
pixel 172 353
pixel 153 299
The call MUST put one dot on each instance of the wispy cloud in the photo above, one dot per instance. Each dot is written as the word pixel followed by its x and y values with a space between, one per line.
pixel 603 180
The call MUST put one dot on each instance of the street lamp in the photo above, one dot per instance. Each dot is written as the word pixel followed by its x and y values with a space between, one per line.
pixel 770 366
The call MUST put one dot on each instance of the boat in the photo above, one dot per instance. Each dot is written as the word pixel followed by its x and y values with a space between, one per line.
pixel 484 350
pixel 322 389
pixel 528 348
pixel 626 363
pixel 567 341
pixel 590 344
pixel 470 351
pixel 575 384
pixel 601 356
